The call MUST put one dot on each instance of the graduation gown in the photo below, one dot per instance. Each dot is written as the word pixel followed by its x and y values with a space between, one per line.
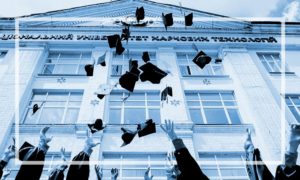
pixel 58 173
pixel 186 163
pixel 80 172
pixel 29 152
pixel 2 165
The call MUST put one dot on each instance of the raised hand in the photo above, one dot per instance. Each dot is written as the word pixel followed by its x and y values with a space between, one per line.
pixel 294 138
pixel 99 172
pixel 114 173
pixel 89 141
pixel 169 129
pixel 6 173
pixel 147 175
pixel 9 151
pixel 248 145
pixel 43 139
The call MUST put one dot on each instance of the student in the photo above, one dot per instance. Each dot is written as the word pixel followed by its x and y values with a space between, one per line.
pixel 186 163
pixel 30 153
pixel 8 154
pixel 289 171
pixel 57 173
pixel 80 169
pixel 99 172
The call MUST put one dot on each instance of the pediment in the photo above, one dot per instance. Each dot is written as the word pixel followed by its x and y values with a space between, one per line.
pixel 115 12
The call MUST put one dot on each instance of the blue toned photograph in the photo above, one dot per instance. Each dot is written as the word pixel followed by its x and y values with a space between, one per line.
pixel 149 90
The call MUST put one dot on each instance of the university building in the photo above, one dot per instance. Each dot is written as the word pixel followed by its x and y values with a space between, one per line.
pixel 252 82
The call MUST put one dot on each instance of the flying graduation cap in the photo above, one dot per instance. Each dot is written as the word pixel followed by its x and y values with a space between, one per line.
pixel 146 56
pixel 127 136
pixel 103 90
pixel 101 60
pixel 139 14
pixel 167 19
pixel 188 19
pixel 146 128
pixel 119 48
pixel 164 94
pixel 125 33
pixel 112 40
pixel 36 107
pixel 89 68
pixel 201 59
pixel 128 80
pixel 96 126
pixel 152 73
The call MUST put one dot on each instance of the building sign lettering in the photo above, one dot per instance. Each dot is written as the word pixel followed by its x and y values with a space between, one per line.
pixel 141 38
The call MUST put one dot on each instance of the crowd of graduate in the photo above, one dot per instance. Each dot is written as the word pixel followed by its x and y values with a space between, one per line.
pixel 186 167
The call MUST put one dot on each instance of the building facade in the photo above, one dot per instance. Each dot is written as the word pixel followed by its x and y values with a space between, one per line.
pixel 255 84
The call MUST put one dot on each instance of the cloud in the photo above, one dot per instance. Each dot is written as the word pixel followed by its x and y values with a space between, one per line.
pixel 292 11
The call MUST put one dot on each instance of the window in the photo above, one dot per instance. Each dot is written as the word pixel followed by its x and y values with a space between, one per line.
pixel 66 63
pixel 51 158
pixel 293 102
pixel 213 108
pixel 271 62
pixel 120 63
pixel 133 165
pixel 223 165
pixel 55 107
pixel 189 68
pixel 136 109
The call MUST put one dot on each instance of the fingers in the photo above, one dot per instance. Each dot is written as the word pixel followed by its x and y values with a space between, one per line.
pixel 162 127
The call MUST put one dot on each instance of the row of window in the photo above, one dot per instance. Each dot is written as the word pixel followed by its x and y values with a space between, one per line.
pixel 230 165
pixel 203 107
pixel 74 62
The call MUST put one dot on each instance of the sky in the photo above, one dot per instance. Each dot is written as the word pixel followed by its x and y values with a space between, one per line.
pixel 290 9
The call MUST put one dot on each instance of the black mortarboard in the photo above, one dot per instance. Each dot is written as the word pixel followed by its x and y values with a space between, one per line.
pixel 127 136
pixel 188 19
pixel 140 14
pixel 128 80
pixel 101 60
pixel 24 149
pixel 167 19
pixel 218 60
pixel 35 108
pixel 97 126
pixel 146 56
pixel 151 73
pixel 201 59
pixel 125 33
pixel 167 91
pixel 119 48
pixel 112 40
pixel 146 128
pixel 89 69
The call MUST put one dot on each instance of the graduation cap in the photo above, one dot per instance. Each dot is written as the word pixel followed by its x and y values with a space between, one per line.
pixel 125 33
pixel 167 20
pixel 97 126
pixel 201 59
pixel 112 40
pixel 146 56
pixel 164 94
pixel 104 89
pixel 128 80
pixel 140 14
pixel 101 60
pixel 188 19
pixel 218 60
pixel 35 108
pixel 152 73
pixel 146 128
pixel 89 69
pixel 119 48
pixel 127 136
